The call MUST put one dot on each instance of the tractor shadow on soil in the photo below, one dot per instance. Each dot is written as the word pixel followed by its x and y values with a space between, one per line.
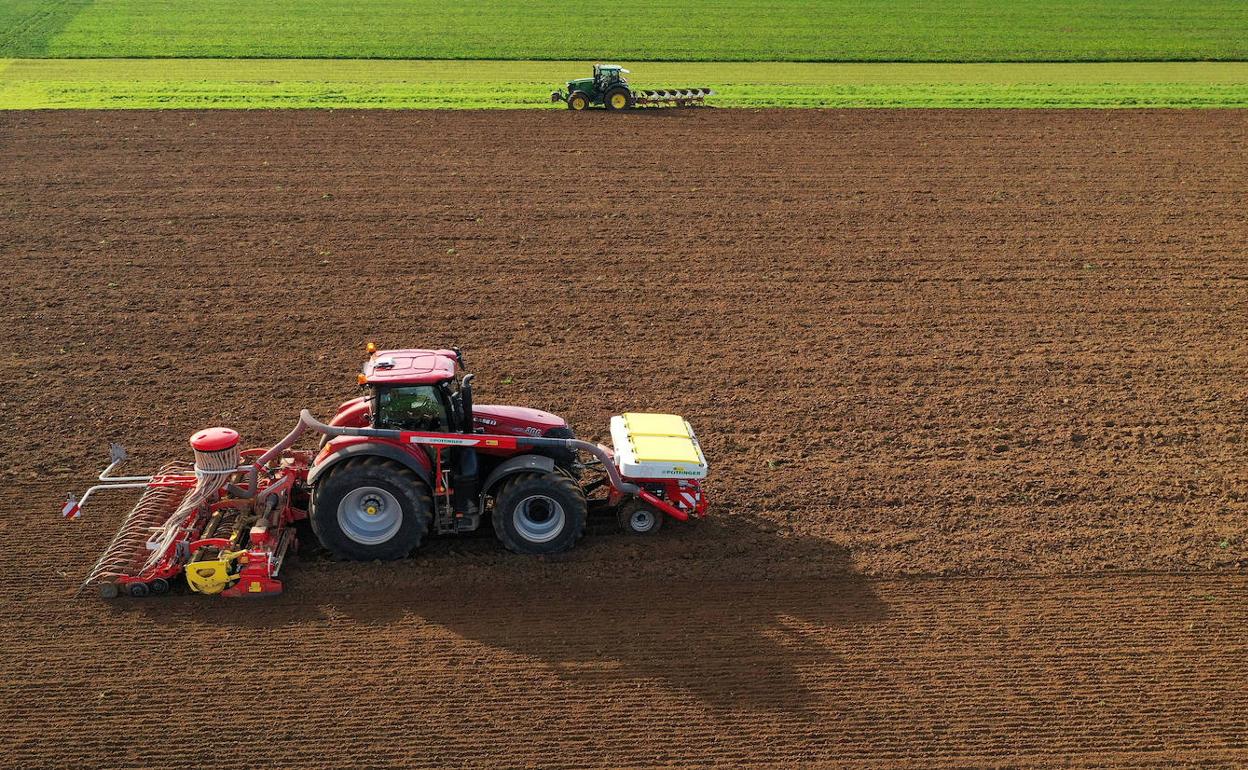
pixel 725 612
pixel 730 644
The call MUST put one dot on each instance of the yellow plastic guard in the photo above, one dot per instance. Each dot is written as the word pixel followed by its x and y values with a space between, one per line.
pixel 212 577
pixel 645 424
pixel 665 449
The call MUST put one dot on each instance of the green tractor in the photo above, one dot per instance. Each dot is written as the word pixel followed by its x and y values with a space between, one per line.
pixel 608 88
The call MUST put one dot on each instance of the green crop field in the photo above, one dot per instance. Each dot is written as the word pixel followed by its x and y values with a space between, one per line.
pixel 636 30
pixel 53 83
pixel 757 53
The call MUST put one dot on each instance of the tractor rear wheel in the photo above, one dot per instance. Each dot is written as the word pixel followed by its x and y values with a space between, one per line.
pixel 539 513
pixel 617 99
pixel 371 508
pixel 578 101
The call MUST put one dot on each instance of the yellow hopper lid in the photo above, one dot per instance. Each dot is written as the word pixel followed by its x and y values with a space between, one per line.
pixel 665 449
pixel 646 424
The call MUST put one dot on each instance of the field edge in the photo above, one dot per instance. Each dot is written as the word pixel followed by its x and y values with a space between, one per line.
pixel 489 84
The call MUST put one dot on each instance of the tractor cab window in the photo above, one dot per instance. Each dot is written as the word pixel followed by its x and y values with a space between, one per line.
pixel 411 407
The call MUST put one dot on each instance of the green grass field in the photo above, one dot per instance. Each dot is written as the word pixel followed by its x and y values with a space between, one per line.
pixel 636 30
pixel 148 83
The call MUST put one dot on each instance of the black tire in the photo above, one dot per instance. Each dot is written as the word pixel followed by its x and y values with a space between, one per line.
pixel 528 502
pixel 637 518
pixel 159 586
pixel 618 98
pixel 578 101
pixel 139 590
pixel 355 477
pixel 109 591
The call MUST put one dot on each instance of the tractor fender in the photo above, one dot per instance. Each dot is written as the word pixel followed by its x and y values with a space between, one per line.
pixel 520 464
pixel 375 449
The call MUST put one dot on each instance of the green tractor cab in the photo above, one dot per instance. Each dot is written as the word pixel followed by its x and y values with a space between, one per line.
pixel 608 88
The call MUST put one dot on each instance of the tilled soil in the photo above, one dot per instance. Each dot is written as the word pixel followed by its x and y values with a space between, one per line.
pixel 986 343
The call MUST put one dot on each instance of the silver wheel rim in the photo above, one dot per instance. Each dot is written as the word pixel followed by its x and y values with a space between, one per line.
pixel 538 518
pixel 370 515
pixel 642 520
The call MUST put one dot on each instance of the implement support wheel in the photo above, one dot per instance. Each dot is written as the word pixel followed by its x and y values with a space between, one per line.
pixel 577 101
pixel 637 518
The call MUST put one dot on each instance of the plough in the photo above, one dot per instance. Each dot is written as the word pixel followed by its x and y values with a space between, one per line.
pixel 684 97
pixel 411 456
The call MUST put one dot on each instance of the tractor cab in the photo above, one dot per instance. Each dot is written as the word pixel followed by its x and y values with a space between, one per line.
pixel 607 76
pixel 428 390
pixel 418 390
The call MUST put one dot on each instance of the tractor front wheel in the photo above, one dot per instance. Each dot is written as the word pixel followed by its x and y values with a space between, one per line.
pixel 371 508
pixel 617 99
pixel 539 513
pixel 578 101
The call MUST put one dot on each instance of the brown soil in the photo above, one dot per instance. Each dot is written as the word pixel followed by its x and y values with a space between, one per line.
pixel 1005 344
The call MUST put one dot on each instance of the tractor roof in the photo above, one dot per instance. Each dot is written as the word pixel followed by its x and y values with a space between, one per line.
pixel 612 67
pixel 409 367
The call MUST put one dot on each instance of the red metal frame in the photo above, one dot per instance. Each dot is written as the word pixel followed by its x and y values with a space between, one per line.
pixel 264 540
pixel 682 498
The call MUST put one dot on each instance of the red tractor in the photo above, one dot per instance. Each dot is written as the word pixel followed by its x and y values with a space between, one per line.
pixel 410 456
